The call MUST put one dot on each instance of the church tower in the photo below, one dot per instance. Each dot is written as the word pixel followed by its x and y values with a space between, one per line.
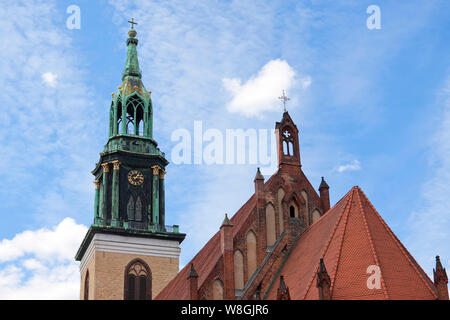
pixel 129 252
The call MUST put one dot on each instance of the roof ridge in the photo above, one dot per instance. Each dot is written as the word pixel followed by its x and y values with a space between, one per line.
pixel 403 250
pixel 326 213
pixel 350 197
pixel 372 246
pixel 338 258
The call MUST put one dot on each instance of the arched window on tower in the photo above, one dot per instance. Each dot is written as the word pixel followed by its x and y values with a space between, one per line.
pixel 130 120
pixel 139 120
pixel 217 290
pixel 292 212
pixel 238 270
pixel 135 116
pixel 130 209
pixel 86 286
pixel 138 281
pixel 119 117
pixel 138 210
pixel 293 209
pixel 271 236
pixel 288 145
pixel 291 148
pixel 315 215
pixel 251 253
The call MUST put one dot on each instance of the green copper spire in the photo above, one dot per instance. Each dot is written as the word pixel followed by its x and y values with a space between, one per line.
pixel 131 112
pixel 132 63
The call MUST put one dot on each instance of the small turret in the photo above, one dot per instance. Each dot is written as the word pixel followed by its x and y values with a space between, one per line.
pixel 440 280
pixel 324 195
pixel 226 243
pixel 323 282
pixel 193 283
pixel 287 142
pixel 283 290
pixel 259 188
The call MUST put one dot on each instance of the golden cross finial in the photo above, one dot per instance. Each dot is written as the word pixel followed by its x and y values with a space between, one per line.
pixel 285 99
pixel 132 23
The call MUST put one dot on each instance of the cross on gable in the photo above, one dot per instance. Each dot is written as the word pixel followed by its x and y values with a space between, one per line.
pixel 286 134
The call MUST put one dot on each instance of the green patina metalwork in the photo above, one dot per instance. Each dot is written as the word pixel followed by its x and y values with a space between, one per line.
pixel 130 146
pixel 96 206
pixel 115 199
pixel 162 213
pixel 131 106
pixel 155 197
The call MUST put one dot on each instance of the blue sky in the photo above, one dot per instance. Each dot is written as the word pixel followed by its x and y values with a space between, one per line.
pixel 372 107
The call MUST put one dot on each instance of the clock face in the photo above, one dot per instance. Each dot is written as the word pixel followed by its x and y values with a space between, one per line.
pixel 135 177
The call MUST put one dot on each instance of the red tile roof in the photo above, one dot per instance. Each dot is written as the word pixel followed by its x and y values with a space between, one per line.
pixel 350 237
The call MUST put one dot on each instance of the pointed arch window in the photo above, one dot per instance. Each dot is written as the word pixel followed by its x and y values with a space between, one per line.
pixel 238 270
pixel 135 115
pixel 285 148
pixel 288 142
pixel 130 124
pixel 138 281
pixel 130 209
pixel 315 215
pixel 119 117
pixel 138 209
pixel 217 290
pixel 292 212
pixel 271 236
pixel 139 116
pixel 251 253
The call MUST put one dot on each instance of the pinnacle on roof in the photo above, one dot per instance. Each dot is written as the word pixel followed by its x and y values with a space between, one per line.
pixel 226 221
pixel 259 176
pixel 192 272
pixel 323 184
pixel 283 290
pixel 439 273
pixel 282 284
pixel 322 274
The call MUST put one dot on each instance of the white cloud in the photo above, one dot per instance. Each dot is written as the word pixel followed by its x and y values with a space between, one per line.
pixel 40 264
pixel 306 82
pixel 430 224
pixel 49 132
pixel 260 93
pixel 49 79
pixel 355 165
